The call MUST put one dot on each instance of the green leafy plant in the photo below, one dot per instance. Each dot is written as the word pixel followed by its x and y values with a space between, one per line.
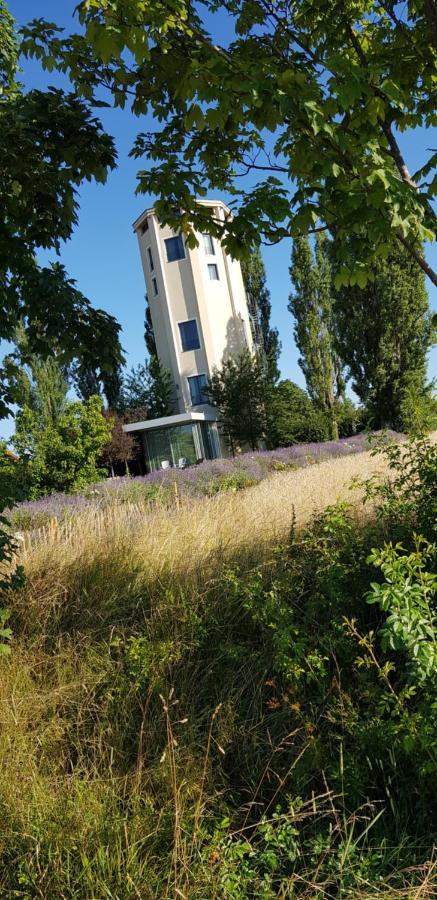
pixel 408 595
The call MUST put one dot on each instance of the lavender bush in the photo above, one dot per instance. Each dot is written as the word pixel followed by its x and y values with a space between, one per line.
pixel 205 479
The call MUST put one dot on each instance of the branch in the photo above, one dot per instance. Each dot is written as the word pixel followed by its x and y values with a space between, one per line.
pixel 421 261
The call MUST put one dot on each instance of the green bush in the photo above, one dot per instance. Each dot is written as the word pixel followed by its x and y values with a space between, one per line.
pixel 234 481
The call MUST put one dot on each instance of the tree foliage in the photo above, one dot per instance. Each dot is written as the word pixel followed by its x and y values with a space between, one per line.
pixel 308 98
pixel 49 144
pixel 293 417
pixel 239 392
pixel 61 457
pixel 383 334
pixel 311 307
pixel 149 334
pixel 149 388
pixel 258 295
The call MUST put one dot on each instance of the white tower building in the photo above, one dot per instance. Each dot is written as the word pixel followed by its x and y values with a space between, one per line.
pixel 200 317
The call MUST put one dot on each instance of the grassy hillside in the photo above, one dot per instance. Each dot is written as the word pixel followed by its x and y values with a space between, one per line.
pixel 201 702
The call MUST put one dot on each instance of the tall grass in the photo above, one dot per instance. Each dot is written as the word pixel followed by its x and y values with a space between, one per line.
pixel 170 724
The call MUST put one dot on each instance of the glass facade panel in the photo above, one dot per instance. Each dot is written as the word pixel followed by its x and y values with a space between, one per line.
pixel 191 442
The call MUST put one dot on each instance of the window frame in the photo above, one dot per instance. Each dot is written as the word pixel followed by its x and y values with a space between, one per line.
pixel 175 237
pixel 185 322
pixel 150 258
pixel 190 379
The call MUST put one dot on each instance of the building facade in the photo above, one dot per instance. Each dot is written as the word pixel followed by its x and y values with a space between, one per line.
pixel 200 317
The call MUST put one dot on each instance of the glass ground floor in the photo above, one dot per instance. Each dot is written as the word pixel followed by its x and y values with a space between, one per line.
pixel 180 444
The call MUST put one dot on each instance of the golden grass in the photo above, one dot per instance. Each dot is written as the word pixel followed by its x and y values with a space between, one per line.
pixel 187 536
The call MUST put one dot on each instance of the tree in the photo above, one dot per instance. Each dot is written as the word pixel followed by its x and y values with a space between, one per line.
pixel 311 306
pixel 149 334
pixel 383 334
pixel 293 417
pixel 35 382
pixel 89 381
pixel 148 387
pixel 121 448
pixel 239 392
pixel 311 95
pixel 49 144
pixel 62 457
pixel 258 295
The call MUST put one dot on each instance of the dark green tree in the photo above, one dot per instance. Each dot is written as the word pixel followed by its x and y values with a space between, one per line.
pixel 89 381
pixel 49 144
pixel 383 334
pixel 260 307
pixel 149 388
pixel 239 391
pixel 293 417
pixel 334 83
pixel 311 307
pixel 149 334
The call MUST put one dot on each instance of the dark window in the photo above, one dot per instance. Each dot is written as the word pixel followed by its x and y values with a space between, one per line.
pixel 198 385
pixel 189 335
pixel 149 253
pixel 144 227
pixel 155 286
pixel 175 248
pixel 213 272
pixel 208 244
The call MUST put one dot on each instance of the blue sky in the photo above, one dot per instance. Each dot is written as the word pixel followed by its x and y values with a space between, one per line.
pixel 103 256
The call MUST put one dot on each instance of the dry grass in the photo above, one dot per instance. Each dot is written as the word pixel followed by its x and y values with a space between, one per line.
pixel 190 534
pixel 64 781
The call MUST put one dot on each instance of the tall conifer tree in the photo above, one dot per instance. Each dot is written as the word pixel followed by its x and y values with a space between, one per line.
pixel 383 333
pixel 258 295
pixel 311 307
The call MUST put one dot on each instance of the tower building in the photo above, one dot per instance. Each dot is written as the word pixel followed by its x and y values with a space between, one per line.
pixel 200 317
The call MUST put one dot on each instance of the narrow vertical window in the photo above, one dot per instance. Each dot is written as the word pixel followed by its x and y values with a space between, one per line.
pixel 208 244
pixel 155 286
pixel 198 385
pixel 213 272
pixel 151 264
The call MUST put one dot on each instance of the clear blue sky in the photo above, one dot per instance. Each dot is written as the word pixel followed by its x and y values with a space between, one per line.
pixel 103 256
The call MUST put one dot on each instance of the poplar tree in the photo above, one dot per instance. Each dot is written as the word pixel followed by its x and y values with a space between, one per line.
pixel 311 307
pixel 383 333
pixel 258 296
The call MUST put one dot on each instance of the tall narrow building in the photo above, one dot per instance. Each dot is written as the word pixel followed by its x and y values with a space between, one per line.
pixel 200 318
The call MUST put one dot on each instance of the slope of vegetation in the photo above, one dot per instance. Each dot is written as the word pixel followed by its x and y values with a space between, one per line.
pixel 231 700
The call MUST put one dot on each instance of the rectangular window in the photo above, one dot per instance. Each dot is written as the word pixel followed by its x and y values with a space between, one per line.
pixel 155 286
pixel 149 254
pixel 208 244
pixel 198 385
pixel 145 227
pixel 213 272
pixel 175 248
pixel 189 335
